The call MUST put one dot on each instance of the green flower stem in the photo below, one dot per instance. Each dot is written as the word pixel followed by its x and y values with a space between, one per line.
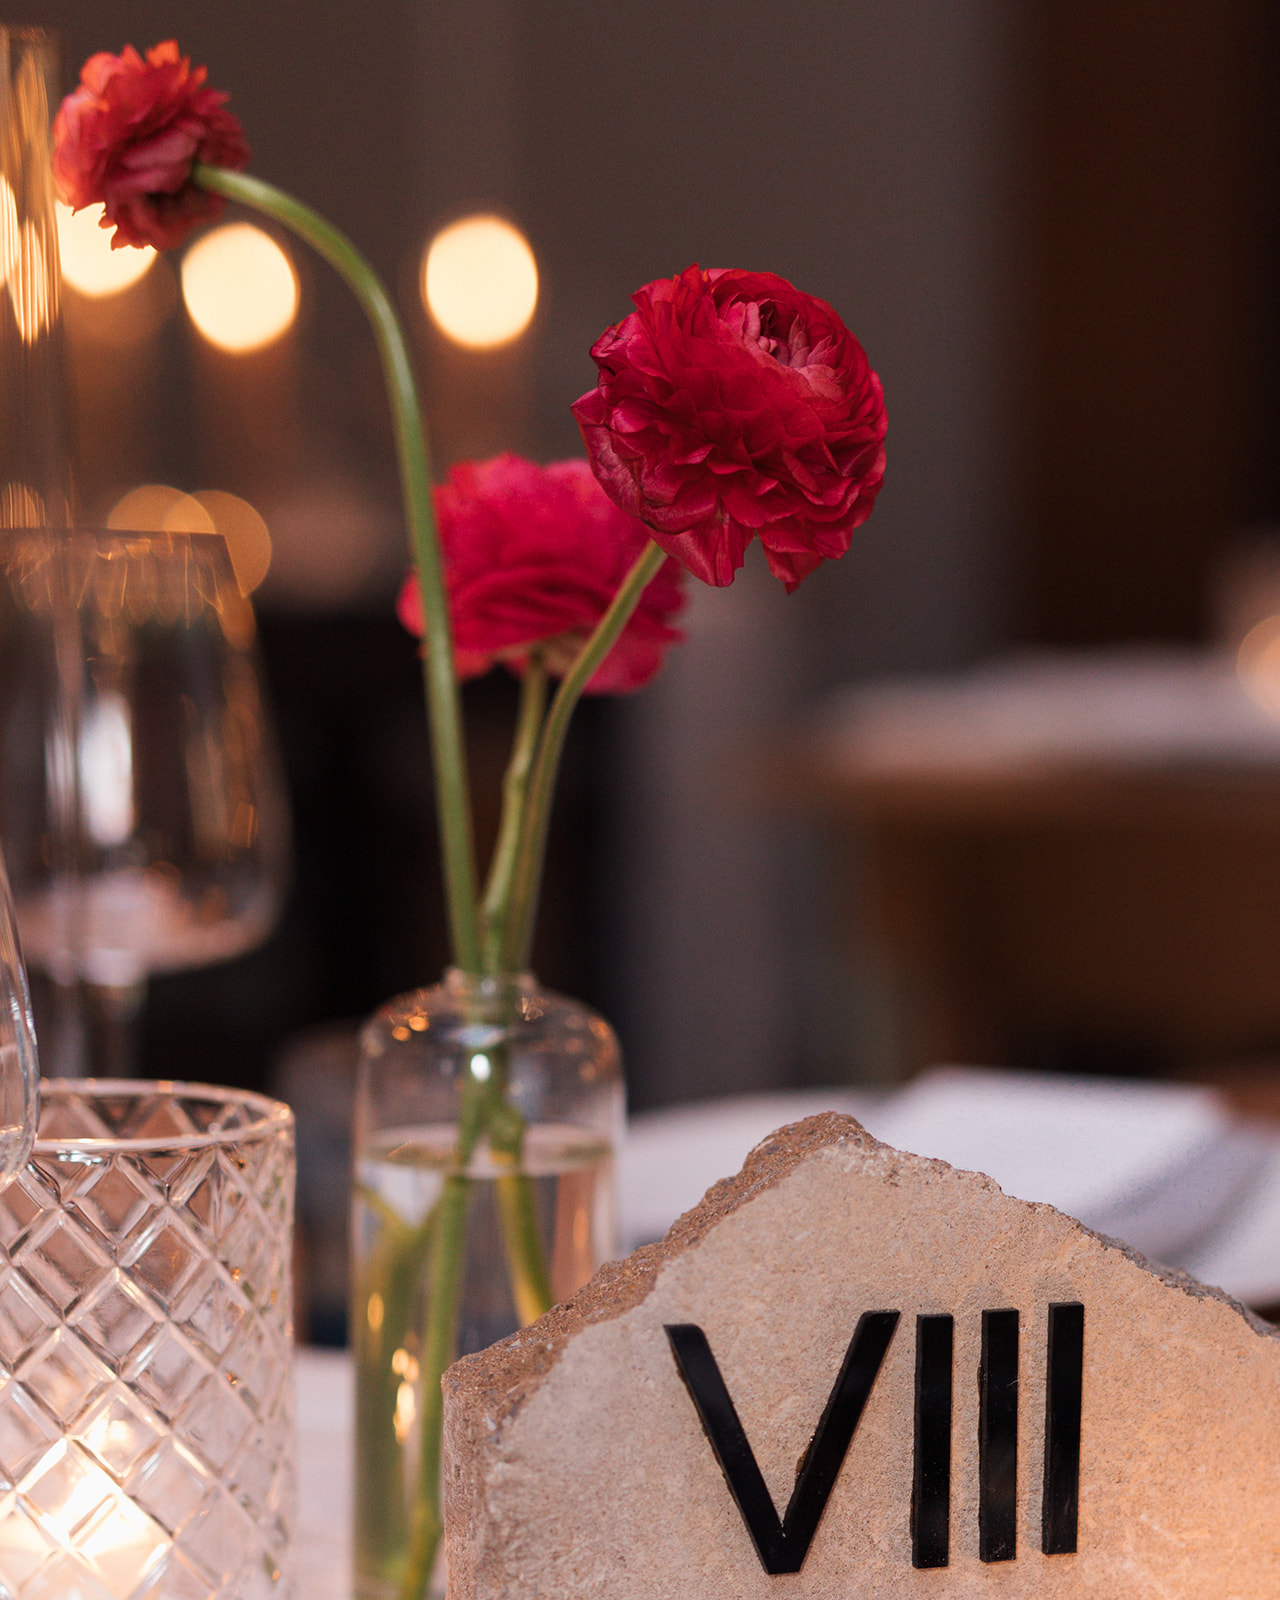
pixel 440 1337
pixel 533 844
pixel 426 1526
pixel 526 1259
pixel 497 900
pixel 393 1274
pixel 449 759
pixel 517 1208
pixel 517 1211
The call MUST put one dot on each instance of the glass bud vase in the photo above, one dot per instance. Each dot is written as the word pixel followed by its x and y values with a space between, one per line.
pixel 519 1092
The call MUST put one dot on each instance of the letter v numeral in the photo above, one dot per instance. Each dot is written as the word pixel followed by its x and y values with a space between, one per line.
pixel 783 1545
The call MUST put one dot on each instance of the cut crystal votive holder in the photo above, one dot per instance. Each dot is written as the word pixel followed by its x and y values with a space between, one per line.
pixel 146 1347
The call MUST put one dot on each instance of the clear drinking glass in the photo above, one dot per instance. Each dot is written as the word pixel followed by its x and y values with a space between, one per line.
pixel 141 800
pixel 19 1067
pixel 146 1379
pixel 552 1071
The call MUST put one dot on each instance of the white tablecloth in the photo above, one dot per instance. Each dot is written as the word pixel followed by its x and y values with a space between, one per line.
pixel 325 1412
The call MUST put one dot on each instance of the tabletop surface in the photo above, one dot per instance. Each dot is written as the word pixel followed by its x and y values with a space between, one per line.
pixel 325 1414
pixel 1172 1168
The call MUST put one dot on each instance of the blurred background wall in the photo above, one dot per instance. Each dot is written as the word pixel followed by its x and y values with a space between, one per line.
pixel 1051 222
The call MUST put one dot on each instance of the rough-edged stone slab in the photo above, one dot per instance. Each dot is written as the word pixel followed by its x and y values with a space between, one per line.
pixel 576 1467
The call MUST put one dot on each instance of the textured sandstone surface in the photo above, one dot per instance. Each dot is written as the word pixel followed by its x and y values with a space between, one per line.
pixel 577 1469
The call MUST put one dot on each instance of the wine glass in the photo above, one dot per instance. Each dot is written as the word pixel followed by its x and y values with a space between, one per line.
pixel 19 1067
pixel 141 802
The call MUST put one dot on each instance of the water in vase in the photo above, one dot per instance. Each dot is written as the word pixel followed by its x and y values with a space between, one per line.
pixel 399 1181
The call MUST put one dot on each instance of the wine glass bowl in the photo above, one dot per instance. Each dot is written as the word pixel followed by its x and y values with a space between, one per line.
pixel 141 802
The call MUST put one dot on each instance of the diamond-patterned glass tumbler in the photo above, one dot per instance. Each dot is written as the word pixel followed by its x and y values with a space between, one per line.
pixel 146 1367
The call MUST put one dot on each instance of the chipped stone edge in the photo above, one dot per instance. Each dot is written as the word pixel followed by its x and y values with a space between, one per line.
pixel 499 1379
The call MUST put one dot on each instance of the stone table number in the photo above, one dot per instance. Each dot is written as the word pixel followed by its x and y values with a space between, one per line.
pixel 853 1373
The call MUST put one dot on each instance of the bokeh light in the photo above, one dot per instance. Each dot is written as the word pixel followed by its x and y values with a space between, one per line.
pixel 240 288
pixel 157 508
pixel 248 541
pixel 89 264
pixel 1258 664
pixel 480 282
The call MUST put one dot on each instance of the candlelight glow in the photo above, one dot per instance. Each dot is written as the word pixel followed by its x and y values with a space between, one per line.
pixel 406 1413
pixel 111 1536
pixel 480 282
pixel 89 264
pixel 240 288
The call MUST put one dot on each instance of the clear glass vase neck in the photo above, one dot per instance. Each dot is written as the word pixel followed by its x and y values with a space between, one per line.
pixel 476 989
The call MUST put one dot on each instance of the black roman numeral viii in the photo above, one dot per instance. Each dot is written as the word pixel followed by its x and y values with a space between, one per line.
pixel 783 1543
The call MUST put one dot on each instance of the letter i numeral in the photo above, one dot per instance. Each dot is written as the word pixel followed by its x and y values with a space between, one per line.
pixel 1061 1507
pixel 998 1437
pixel 931 1488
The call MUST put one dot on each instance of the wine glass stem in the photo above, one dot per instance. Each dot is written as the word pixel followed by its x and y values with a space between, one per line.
pixel 63 1045
pixel 113 1013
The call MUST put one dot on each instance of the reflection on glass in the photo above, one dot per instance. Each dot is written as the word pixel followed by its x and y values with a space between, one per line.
pixel 19 1069
pixel 160 509
pixel 139 790
pixel 33 473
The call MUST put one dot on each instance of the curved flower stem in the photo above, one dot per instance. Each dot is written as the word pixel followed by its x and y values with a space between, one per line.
pixel 533 843
pixel 496 906
pixel 449 759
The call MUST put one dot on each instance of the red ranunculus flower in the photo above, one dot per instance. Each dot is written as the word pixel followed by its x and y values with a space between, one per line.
pixel 730 404
pixel 129 136
pixel 533 555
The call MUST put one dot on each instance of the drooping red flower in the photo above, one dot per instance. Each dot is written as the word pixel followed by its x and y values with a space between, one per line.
pixel 534 555
pixel 129 136
pixel 731 405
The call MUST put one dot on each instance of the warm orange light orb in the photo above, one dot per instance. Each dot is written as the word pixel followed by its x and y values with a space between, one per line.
pixel 242 526
pixel 1259 664
pixel 89 264
pixel 480 282
pixel 157 508
pixel 240 288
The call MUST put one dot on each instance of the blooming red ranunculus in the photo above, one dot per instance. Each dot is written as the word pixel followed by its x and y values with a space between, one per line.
pixel 534 555
pixel 730 404
pixel 129 136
